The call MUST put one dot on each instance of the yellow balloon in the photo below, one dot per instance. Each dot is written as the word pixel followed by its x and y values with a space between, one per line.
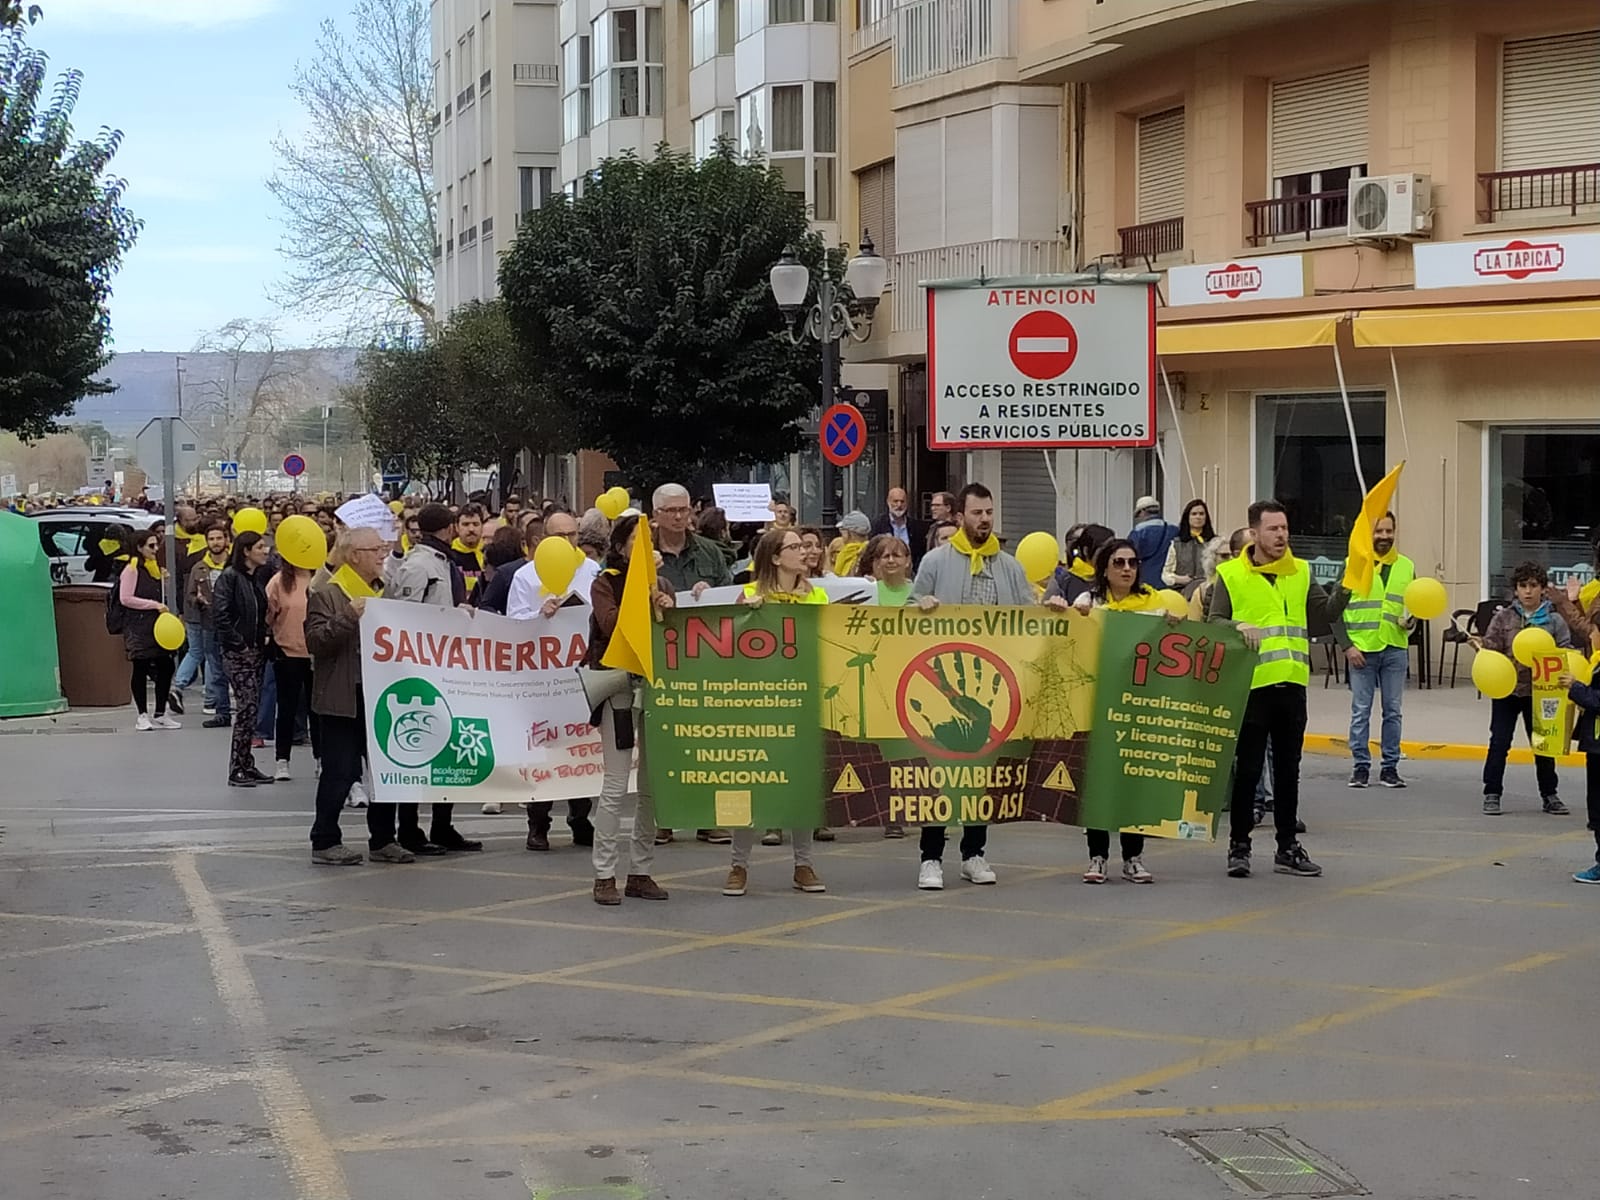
pixel 1038 556
pixel 301 543
pixel 1579 667
pixel 1530 644
pixel 397 507
pixel 1426 599
pixel 619 497
pixel 249 520
pixel 1173 602
pixel 169 631
pixel 556 561
pixel 1494 674
pixel 608 506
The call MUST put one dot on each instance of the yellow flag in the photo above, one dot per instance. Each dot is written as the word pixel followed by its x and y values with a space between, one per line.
pixel 1362 559
pixel 630 641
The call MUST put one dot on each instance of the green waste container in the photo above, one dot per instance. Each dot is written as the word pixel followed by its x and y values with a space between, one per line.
pixel 30 685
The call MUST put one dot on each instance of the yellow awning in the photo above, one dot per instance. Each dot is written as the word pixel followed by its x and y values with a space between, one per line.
pixel 1480 324
pixel 1233 337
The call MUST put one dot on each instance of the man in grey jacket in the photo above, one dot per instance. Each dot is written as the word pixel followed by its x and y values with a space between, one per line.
pixel 969 569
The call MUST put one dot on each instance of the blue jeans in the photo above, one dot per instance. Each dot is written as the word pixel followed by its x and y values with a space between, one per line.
pixel 267 714
pixel 193 655
pixel 1385 672
pixel 204 648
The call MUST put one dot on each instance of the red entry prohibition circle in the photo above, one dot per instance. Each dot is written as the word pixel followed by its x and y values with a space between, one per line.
pixel 1043 344
pixel 843 434
pixel 970 678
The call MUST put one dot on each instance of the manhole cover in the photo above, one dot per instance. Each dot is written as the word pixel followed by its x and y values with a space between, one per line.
pixel 1267 1162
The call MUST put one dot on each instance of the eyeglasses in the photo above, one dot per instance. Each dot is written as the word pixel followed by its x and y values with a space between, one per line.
pixel 1130 563
pixel 672 512
pixel 792 546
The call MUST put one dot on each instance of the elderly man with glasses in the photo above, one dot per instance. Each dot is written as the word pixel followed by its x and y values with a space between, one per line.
pixel 689 563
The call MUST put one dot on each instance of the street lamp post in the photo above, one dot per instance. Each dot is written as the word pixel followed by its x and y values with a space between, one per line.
pixel 829 321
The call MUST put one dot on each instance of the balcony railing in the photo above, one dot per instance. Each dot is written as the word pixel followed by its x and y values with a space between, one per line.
pixel 1298 216
pixel 932 37
pixel 464 98
pixel 968 260
pixel 535 73
pixel 875 34
pixel 1151 240
pixel 1543 188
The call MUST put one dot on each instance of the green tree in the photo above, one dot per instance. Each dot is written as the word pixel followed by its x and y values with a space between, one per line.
pixel 63 232
pixel 15 12
pixel 644 310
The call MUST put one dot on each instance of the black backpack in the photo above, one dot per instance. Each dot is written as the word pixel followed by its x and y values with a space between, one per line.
pixel 116 615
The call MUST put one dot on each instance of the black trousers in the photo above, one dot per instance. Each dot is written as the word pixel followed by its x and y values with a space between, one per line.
pixel 344 752
pixel 294 693
pixel 1503 717
pixel 973 839
pixel 1100 843
pixel 1277 711
pixel 539 814
pixel 1591 780
pixel 157 670
pixel 388 822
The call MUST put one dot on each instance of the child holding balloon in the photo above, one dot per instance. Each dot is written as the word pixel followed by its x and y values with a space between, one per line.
pixel 1524 628
pixel 1578 679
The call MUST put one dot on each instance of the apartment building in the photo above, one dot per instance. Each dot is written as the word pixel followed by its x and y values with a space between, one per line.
pixel 1377 227
pixel 496 134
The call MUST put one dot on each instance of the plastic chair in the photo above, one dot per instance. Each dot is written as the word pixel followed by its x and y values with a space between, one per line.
pixel 1321 634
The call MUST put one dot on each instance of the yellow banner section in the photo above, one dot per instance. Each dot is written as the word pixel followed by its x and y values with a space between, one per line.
pixel 1479 324
pixel 1234 337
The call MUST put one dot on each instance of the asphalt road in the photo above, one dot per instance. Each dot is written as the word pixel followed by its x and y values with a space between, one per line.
pixel 190 1011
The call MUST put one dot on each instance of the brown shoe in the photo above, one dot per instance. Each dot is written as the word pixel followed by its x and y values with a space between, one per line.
pixel 663 836
pixel 605 892
pixel 717 837
pixel 806 880
pixel 540 841
pixel 823 834
pixel 642 887
pixel 737 878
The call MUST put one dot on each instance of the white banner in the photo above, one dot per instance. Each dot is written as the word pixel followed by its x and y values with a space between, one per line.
pixel 475 707
pixel 1528 258
pixel 744 501
pixel 1284 277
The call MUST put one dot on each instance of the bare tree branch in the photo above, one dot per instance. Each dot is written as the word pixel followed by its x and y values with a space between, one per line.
pixel 258 386
pixel 357 190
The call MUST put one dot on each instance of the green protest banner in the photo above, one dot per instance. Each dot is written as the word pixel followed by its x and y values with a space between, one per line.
pixel 1166 718
pixel 732 719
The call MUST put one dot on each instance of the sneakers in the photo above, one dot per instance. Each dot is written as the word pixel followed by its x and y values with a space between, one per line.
pixel 1491 804
pixel 823 834
pixel 930 876
pixel 491 808
pixel 717 837
pixel 280 770
pixel 258 743
pixel 337 856
pixel 806 880
pixel 1588 875
pixel 894 831
pixel 452 839
pixel 216 723
pixel 1553 806
pixel 772 837
pixel 663 836
pixel 1238 861
pixel 1134 871
pixel 1294 861
pixel 642 887
pixel 605 893
pixel 142 724
pixel 1359 777
pixel 738 879
pixel 241 780
pixel 166 723
pixel 394 852
pixel 357 797
pixel 208 710
pixel 175 701
pixel 977 870
pixel 1096 872
pixel 1389 777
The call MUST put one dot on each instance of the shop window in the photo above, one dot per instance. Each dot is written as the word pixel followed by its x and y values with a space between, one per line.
pixel 1303 461
pixel 1538 508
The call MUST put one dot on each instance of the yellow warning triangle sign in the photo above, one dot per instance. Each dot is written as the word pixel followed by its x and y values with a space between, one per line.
pixel 848 781
pixel 1060 780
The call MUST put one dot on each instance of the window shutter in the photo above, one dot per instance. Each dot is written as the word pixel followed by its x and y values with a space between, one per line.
pixel 884 238
pixel 1160 166
pixel 870 183
pixel 968 179
pixel 919 208
pixel 1550 101
pixel 1027 498
pixel 1319 122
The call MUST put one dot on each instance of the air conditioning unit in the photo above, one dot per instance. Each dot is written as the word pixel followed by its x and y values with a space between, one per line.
pixel 1391 206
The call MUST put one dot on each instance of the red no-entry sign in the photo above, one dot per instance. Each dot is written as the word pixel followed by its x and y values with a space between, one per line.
pixel 1043 344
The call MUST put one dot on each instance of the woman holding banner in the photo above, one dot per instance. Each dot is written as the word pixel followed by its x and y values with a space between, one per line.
pixel 619 732
pixel 779 570
pixel 1116 587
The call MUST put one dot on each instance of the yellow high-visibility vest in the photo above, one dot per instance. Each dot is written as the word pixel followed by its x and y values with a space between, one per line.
pixel 1378 619
pixel 1278 610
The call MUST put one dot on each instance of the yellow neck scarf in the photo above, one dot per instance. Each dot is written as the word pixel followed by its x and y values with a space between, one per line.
pixel 461 547
pixel 352 585
pixel 1138 600
pixel 1082 568
pixel 196 541
pixel 977 554
pixel 1287 565
pixel 216 564
pixel 1390 558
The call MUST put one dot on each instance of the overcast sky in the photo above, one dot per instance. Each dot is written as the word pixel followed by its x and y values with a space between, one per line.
pixel 199 88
